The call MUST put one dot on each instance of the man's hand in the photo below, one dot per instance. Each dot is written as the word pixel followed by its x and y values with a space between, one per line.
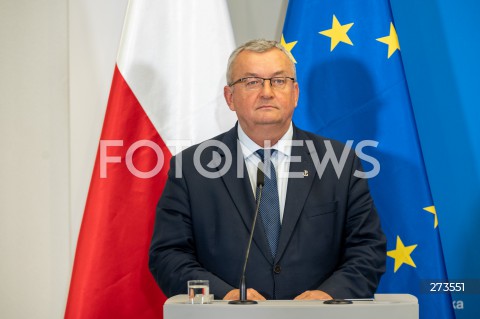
pixel 313 295
pixel 252 294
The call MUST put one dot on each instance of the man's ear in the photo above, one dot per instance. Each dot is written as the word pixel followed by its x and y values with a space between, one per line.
pixel 297 93
pixel 228 94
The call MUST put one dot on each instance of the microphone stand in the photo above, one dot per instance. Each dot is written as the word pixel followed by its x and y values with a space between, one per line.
pixel 243 286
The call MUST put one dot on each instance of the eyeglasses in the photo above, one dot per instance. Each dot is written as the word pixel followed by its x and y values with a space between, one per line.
pixel 255 83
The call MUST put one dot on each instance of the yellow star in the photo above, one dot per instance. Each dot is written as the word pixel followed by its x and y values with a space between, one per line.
pixel 391 40
pixel 431 209
pixel 337 33
pixel 288 46
pixel 401 254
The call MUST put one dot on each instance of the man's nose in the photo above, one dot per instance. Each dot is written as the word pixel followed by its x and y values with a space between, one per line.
pixel 267 89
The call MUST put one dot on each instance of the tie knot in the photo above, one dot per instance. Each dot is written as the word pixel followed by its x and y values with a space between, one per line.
pixel 268 152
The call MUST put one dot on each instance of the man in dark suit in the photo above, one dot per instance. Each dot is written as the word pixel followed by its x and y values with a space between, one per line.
pixel 318 235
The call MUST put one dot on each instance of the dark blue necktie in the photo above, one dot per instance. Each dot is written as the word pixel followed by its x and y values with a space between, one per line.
pixel 269 203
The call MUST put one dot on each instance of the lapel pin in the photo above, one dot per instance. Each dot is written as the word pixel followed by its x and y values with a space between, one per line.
pixel 305 173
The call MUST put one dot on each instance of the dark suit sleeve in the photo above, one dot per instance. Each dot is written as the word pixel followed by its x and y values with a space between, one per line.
pixel 172 251
pixel 364 255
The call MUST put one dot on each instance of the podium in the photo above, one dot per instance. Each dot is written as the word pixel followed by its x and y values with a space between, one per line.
pixel 391 306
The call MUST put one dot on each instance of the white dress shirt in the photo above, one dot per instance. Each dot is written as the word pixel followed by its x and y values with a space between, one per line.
pixel 280 159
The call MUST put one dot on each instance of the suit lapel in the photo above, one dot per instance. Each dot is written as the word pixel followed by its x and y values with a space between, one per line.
pixel 297 191
pixel 240 190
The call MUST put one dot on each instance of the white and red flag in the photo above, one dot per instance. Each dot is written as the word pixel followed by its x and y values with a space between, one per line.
pixel 166 92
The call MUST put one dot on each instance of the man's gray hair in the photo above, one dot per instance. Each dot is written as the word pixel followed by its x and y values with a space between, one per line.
pixel 260 46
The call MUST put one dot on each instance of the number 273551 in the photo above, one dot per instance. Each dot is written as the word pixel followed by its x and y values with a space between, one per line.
pixel 447 286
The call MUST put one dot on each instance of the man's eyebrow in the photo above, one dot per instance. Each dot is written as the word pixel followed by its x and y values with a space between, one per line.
pixel 250 74
pixel 280 73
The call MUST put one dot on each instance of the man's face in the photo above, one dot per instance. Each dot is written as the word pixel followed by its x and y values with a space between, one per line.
pixel 267 105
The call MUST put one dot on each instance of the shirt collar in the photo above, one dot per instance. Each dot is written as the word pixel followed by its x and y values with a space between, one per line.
pixel 283 146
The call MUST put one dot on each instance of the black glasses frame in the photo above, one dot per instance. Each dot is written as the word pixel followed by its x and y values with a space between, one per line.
pixel 242 80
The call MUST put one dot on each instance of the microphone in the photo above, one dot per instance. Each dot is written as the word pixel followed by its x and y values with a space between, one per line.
pixel 243 286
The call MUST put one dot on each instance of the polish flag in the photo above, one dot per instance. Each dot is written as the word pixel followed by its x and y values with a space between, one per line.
pixel 167 93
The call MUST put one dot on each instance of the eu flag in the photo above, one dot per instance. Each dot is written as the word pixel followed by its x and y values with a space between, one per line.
pixel 353 87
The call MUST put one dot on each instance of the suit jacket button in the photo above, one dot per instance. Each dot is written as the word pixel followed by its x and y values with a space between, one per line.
pixel 277 269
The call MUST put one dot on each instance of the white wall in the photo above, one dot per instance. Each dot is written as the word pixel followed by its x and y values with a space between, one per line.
pixel 252 19
pixel 34 161
pixel 56 64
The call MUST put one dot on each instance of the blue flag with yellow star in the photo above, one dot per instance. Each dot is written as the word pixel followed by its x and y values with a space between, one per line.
pixel 353 87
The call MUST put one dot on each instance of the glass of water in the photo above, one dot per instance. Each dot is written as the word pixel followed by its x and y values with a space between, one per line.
pixel 198 292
